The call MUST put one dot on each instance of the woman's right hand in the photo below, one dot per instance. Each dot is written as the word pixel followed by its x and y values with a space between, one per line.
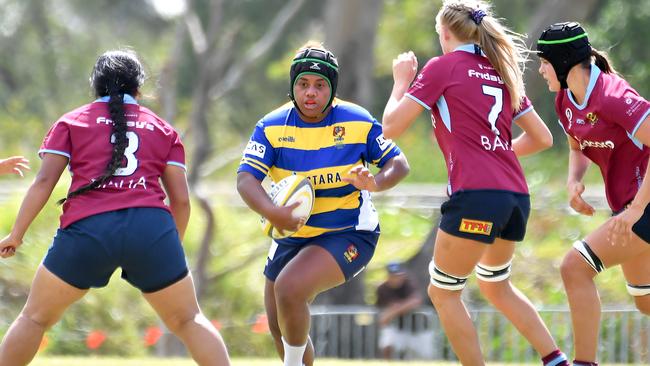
pixel 576 201
pixel 8 246
pixel 282 218
pixel 405 67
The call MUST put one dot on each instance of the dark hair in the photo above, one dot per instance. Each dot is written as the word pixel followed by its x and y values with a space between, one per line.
pixel 115 73
pixel 601 60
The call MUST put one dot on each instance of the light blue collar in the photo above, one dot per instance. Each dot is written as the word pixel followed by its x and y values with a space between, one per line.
pixel 469 48
pixel 128 99
pixel 593 78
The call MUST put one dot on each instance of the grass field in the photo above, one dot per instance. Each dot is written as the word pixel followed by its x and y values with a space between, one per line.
pixel 67 361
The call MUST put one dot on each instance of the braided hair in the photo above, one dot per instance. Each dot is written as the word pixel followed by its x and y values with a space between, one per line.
pixel 115 73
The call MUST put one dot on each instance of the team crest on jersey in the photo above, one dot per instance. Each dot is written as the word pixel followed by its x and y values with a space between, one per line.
pixel 351 253
pixel 475 227
pixel 592 118
pixel 339 133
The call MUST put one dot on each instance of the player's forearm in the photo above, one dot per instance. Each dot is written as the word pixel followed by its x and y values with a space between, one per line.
pixel 392 173
pixel 578 164
pixel 526 144
pixel 181 213
pixel 390 124
pixel 35 198
pixel 253 194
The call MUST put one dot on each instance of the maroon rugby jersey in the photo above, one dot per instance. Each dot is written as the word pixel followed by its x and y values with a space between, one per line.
pixel 472 117
pixel 84 137
pixel 604 126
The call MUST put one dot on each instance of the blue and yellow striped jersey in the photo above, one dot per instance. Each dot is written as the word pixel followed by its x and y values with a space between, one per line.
pixel 283 144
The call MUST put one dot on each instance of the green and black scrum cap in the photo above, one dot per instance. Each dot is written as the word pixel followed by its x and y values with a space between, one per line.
pixel 315 61
pixel 564 45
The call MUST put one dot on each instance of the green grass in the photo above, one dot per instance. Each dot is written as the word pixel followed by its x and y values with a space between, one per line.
pixel 101 361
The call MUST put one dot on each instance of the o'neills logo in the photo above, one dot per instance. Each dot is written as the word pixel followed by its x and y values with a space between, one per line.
pixel 475 227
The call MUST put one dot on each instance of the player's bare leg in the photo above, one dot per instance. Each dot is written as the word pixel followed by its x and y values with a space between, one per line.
pixel 48 298
pixel 309 273
pixel 578 277
pixel 512 303
pixel 457 257
pixel 179 310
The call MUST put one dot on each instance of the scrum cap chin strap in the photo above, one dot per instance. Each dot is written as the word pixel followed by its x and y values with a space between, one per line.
pixel 564 45
pixel 314 61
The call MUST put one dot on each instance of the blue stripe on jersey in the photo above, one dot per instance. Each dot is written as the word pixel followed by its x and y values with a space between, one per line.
pixel 418 101
pixel 333 219
pixel 593 77
pixel 175 163
pixel 444 112
pixel 561 125
pixel 128 99
pixel 335 192
pixel 57 152
pixel 313 159
pixel 522 113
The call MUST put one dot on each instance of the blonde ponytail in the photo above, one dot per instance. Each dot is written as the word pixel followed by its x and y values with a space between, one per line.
pixel 472 21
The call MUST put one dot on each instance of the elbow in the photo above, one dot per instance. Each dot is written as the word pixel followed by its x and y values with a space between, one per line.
pixel 546 142
pixel 180 203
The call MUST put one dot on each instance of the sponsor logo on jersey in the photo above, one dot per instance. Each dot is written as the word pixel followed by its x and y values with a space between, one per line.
pixel 580 121
pixel 135 124
pixel 351 253
pixel 383 142
pixel 286 139
pixel 569 114
pixel 592 118
pixel 597 144
pixel 255 149
pixel 484 75
pixel 475 227
pixel 328 178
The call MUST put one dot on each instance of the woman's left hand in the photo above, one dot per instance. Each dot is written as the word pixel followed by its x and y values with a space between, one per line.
pixel 361 178
pixel 620 226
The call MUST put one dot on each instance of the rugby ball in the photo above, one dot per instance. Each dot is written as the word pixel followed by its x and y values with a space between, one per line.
pixel 294 188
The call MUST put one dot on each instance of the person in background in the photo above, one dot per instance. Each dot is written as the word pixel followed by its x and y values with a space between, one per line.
pixel 114 215
pixel 14 165
pixel 474 92
pixel 397 297
pixel 607 123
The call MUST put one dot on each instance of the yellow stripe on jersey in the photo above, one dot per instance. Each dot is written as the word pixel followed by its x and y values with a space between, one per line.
pixel 324 178
pixel 311 231
pixel 315 138
pixel 327 204
pixel 389 149
pixel 255 164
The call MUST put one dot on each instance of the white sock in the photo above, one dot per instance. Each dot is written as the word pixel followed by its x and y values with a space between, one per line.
pixel 293 354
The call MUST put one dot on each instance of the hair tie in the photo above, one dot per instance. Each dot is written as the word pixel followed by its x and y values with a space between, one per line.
pixel 477 16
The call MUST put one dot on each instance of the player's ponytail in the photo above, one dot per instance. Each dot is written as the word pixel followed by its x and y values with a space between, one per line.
pixel 472 21
pixel 601 60
pixel 115 73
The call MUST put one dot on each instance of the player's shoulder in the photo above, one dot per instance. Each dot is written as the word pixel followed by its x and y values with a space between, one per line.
pixel 73 115
pixel 276 117
pixel 345 111
pixel 612 86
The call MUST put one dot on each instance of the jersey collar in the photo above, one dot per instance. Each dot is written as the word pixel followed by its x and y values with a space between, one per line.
pixel 128 99
pixel 593 78
pixel 469 48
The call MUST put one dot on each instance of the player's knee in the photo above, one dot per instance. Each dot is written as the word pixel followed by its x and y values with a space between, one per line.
pixel 493 279
pixel 580 261
pixel 177 322
pixel 39 320
pixel 288 291
pixel 443 285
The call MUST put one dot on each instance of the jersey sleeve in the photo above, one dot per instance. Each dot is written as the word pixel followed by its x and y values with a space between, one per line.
pixel 176 154
pixel 259 156
pixel 379 149
pixel 626 108
pixel 57 141
pixel 525 107
pixel 428 86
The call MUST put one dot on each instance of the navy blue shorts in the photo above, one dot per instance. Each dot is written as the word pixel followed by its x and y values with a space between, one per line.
pixel 484 215
pixel 142 241
pixel 351 249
